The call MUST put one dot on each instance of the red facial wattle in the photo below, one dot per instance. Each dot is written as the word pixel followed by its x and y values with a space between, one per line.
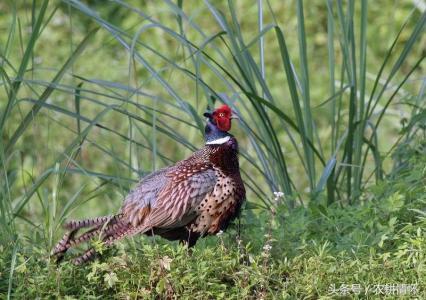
pixel 222 116
pixel 224 124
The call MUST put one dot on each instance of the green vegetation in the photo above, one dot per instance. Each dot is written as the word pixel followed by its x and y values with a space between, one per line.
pixel 331 100
pixel 302 254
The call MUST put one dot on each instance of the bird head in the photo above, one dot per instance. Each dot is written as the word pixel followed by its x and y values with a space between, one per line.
pixel 221 117
pixel 218 125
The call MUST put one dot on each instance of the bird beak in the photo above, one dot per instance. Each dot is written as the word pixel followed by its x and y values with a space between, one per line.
pixel 234 116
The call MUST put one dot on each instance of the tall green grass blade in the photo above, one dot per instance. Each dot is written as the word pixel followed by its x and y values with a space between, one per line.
pixel 349 58
pixel 372 141
pixel 112 131
pixel 77 104
pixel 307 114
pixel 12 270
pixel 331 68
pixel 373 145
pixel 290 122
pixel 24 64
pixel 331 182
pixel 382 67
pixel 359 132
pixel 415 35
pixel 36 108
pixel 11 34
pixel 261 39
pixel 69 149
pixel 327 172
pixel 285 59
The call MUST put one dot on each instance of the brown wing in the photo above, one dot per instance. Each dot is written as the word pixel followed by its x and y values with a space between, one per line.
pixel 187 186
pixel 139 201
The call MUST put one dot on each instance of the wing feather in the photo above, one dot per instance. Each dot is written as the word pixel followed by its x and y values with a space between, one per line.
pixel 176 203
pixel 170 194
pixel 144 195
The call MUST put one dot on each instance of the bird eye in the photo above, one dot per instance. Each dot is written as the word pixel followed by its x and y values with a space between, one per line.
pixel 221 115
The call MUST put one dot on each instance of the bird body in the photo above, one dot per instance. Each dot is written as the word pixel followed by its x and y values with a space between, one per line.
pixel 195 197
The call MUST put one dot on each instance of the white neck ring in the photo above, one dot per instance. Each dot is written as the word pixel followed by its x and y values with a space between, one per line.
pixel 219 141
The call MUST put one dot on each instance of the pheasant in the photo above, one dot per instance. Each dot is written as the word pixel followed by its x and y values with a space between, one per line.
pixel 196 197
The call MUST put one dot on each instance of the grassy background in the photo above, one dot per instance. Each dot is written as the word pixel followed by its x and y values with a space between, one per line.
pixel 97 95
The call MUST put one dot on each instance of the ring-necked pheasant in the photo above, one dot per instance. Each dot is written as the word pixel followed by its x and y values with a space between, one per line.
pixel 195 197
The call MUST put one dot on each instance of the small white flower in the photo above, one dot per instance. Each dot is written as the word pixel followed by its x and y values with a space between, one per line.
pixel 220 233
pixel 279 194
pixel 267 248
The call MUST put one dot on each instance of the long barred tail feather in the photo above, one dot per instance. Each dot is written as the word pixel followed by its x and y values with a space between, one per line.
pixel 104 227
pixel 125 232
pixel 109 239
pixel 88 255
pixel 101 231
pixel 60 249
pixel 64 245
pixel 77 224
